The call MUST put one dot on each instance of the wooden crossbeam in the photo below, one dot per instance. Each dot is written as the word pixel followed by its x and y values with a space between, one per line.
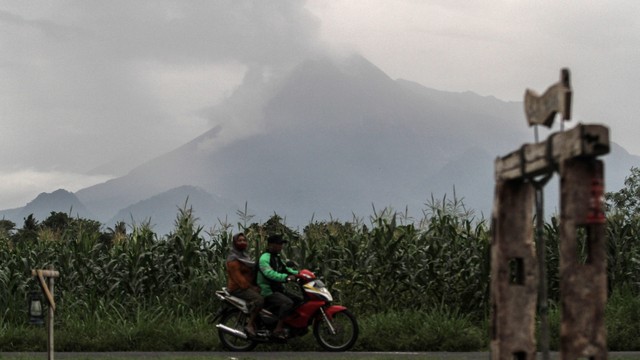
pixel 542 158
pixel 41 274
pixel 46 273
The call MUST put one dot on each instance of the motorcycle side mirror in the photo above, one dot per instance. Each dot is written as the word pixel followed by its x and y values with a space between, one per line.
pixel 291 264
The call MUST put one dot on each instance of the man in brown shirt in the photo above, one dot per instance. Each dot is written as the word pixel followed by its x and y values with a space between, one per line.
pixel 240 271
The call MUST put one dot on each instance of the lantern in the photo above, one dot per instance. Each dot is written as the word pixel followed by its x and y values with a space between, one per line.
pixel 36 312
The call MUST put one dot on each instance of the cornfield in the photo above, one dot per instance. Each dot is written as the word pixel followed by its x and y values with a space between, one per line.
pixel 389 264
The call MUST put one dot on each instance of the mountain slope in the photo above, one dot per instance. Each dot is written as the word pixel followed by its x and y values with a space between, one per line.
pixel 330 139
pixel 45 203
pixel 337 136
pixel 158 212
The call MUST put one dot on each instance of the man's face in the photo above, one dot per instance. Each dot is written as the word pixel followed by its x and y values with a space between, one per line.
pixel 276 248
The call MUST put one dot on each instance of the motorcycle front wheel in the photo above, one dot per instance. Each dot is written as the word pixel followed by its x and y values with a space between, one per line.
pixel 237 320
pixel 346 331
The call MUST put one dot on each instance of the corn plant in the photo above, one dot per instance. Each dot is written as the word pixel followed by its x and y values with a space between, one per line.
pixel 391 263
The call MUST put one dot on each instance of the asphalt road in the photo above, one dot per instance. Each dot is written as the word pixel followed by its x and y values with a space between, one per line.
pixel 290 355
pixel 256 355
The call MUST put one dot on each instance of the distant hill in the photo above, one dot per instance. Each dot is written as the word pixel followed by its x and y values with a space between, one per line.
pixel 45 203
pixel 329 140
pixel 157 210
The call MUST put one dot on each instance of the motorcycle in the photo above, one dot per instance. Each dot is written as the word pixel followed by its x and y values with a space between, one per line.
pixel 334 327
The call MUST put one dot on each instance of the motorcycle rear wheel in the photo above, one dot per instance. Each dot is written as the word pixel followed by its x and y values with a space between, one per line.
pixel 346 327
pixel 237 320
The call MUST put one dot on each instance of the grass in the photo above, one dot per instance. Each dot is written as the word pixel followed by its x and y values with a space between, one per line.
pixel 434 330
pixel 404 331
pixel 441 330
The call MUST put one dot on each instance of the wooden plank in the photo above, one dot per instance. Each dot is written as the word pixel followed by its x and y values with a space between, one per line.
pixel 588 140
pixel 46 273
pixel 45 288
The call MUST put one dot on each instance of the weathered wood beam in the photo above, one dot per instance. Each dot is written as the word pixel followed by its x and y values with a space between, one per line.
pixel 583 263
pixel 51 274
pixel 46 273
pixel 514 273
pixel 533 160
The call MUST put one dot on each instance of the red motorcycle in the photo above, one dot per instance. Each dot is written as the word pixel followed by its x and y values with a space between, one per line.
pixel 334 327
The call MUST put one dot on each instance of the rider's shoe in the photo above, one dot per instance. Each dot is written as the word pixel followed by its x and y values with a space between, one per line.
pixel 280 335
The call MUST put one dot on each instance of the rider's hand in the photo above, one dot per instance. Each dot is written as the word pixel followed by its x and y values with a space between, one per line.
pixel 291 278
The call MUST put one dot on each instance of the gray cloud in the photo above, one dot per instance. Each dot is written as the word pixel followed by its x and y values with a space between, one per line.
pixel 88 82
pixel 500 48
pixel 82 73
pixel 92 82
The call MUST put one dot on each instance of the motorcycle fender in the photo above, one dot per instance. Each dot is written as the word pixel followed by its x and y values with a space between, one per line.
pixel 334 309
pixel 304 313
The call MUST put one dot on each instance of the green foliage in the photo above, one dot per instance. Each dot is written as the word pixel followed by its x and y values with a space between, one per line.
pixel 424 279
pixel 552 257
pixel 626 201
pixel 6 229
pixel 396 267
pixel 430 330
pixel 623 320
pixel 623 230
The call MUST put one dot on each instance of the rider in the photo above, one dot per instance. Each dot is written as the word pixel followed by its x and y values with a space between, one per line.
pixel 273 273
pixel 240 270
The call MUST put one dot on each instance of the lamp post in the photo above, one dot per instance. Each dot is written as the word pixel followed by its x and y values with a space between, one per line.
pixel 36 315
pixel 47 288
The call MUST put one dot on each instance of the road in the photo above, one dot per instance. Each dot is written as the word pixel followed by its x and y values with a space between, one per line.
pixel 286 355
pixel 254 355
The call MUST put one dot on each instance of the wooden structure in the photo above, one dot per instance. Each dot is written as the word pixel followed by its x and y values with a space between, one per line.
pixel 514 277
pixel 47 289
pixel 583 261
pixel 514 266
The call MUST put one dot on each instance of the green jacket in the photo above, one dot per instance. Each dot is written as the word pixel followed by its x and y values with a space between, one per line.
pixel 273 273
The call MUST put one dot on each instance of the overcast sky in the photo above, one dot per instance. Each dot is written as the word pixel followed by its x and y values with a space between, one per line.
pixel 84 83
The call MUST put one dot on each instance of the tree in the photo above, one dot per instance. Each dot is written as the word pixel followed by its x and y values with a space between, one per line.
pixel 623 229
pixel 7 225
pixel 6 228
pixel 275 225
pixel 29 231
pixel 626 201
pixel 57 221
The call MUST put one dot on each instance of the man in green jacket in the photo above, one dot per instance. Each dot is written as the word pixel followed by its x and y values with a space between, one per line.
pixel 271 277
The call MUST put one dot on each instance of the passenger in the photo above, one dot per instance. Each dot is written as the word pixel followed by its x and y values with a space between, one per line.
pixel 240 281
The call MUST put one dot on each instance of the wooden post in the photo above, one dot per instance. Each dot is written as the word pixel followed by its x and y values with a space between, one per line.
pixel 582 274
pixel 50 346
pixel 514 273
pixel 583 260
pixel 47 288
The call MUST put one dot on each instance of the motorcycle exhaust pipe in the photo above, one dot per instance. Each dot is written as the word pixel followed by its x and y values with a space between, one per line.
pixel 231 331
